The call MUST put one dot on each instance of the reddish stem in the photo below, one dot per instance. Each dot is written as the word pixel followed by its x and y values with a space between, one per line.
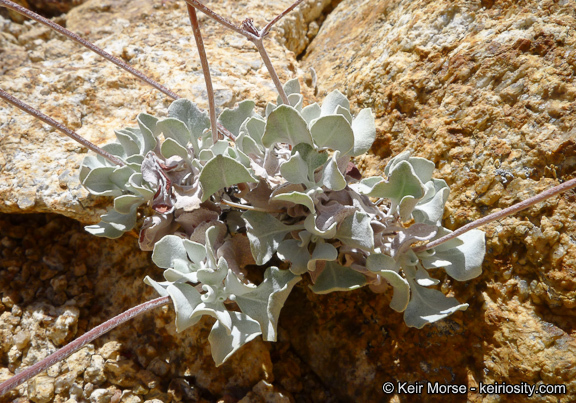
pixel 500 214
pixel 57 125
pixel 80 342
pixel 19 9
pixel 205 70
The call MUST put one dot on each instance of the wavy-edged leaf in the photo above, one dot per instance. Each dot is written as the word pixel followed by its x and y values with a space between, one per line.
pixel 356 231
pixel 169 252
pixel 311 112
pixel 147 124
pixel 225 341
pixel 430 209
pixel 332 101
pixel 364 130
pixel 464 258
pixel 297 198
pixel 98 182
pixel 333 132
pixel 401 297
pixel 332 178
pixel 335 277
pixel 265 302
pixel 195 120
pixel 221 172
pixel 124 204
pixel 265 234
pixel 232 119
pixel 286 125
pixel 176 130
pixel 428 306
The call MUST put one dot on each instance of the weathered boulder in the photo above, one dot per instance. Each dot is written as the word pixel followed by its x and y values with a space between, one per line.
pixel 484 89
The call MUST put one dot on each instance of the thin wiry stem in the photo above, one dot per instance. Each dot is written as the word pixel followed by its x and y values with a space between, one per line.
pixel 246 207
pixel 57 125
pixel 260 46
pixel 19 9
pixel 500 214
pixel 251 33
pixel 80 342
pixel 217 17
pixel 268 26
pixel 205 70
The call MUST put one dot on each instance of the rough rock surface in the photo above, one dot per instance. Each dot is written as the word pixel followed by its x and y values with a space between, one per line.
pixel 39 166
pixel 484 89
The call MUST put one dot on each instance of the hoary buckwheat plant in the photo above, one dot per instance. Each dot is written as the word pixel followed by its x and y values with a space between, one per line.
pixel 288 182
pixel 282 186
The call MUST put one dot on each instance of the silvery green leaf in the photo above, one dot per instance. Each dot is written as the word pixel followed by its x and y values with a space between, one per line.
pixel 292 251
pixel 465 259
pixel 297 198
pixel 311 112
pixel 366 185
pixel 170 148
pixel 423 278
pixel 332 178
pixel 239 156
pixel 113 224
pixel 195 120
pixel 291 86
pixel 403 188
pixel 364 132
pixel 224 341
pixel 332 101
pixel 377 262
pixel 176 130
pixel 220 147
pixel 310 226
pixel 355 231
pixel 335 277
pixel 333 132
pixel 296 170
pixel 170 252
pixel 401 296
pixel 136 186
pixel 285 125
pixel 432 210
pixel 134 161
pixel 249 146
pixel 98 182
pixel 296 101
pixel 232 119
pixel 322 252
pixel 123 204
pixel 265 302
pixel 130 141
pixel 422 167
pixel 255 127
pixel 114 149
pixel 428 306
pixel 344 112
pixel 121 175
pixel 185 299
pixel 213 277
pixel 104 229
pixel 269 108
pixel 175 276
pixel 265 234
pixel 159 287
pixel 147 124
pixel 221 172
